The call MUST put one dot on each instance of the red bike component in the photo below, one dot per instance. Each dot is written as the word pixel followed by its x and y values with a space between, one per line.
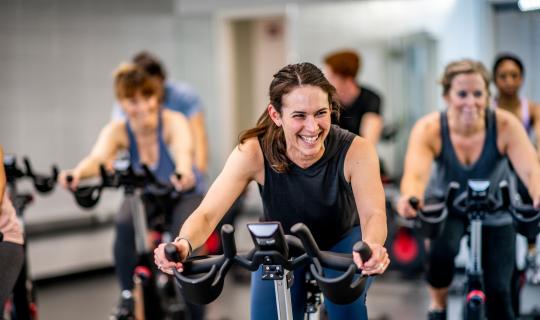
pixel 213 244
pixel 405 247
pixel 34 311
pixel 476 294
pixel 143 272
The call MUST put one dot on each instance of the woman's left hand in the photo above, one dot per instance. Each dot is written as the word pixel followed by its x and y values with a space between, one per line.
pixel 377 263
pixel 186 182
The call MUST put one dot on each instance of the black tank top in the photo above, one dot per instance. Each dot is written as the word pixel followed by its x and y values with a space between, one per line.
pixel 491 165
pixel 318 196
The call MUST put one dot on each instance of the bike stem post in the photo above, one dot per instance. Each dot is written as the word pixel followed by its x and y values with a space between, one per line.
pixel 282 279
pixel 139 221
pixel 475 261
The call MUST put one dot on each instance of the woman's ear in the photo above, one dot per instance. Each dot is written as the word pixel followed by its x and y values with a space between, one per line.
pixel 274 115
pixel 446 98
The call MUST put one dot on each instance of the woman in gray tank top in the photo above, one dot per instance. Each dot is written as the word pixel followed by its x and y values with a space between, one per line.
pixel 468 141
pixel 292 144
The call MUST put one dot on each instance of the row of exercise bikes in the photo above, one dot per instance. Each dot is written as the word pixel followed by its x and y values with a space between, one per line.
pixel 159 296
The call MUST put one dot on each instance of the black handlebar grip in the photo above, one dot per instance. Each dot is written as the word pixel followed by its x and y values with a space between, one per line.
pixel 106 180
pixel 178 175
pixel 228 242
pixel 301 231
pixel 171 253
pixel 102 172
pixel 55 172
pixel 363 249
pixel 148 173
pixel 1 237
pixel 29 171
pixel 414 202
pixel 505 194
pixel 453 188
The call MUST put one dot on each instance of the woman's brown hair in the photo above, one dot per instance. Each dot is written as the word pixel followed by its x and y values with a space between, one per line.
pixel 464 66
pixel 130 79
pixel 269 134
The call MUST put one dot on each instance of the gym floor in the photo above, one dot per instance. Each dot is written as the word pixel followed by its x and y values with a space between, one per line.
pixel 91 296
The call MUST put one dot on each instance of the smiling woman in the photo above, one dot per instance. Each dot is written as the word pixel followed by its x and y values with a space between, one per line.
pixel 159 138
pixel 468 141
pixel 308 171
pixel 305 121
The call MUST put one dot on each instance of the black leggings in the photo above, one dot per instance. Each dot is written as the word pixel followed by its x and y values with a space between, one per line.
pixel 11 260
pixel 498 256
pixel 125 254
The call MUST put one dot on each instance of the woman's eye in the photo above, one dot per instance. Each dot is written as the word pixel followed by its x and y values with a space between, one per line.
pixel 478 94
pixel 462 94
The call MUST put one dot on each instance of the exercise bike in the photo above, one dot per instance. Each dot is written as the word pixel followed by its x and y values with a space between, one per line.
pixel 23 304
pixel 279 255
pixel 154 295
pixel 475 204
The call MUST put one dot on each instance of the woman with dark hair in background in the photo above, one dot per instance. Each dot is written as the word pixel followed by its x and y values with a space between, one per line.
pixel 508 77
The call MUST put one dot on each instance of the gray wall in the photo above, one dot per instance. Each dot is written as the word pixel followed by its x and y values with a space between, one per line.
pixel 57 56
pixel 519 33
pixel 57 59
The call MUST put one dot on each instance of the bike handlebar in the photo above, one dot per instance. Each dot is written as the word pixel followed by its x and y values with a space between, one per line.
pixel 476 200
pixel 202 277
pixel 89 196
pixel 42 183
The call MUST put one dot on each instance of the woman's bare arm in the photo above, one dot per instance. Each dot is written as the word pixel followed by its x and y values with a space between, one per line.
pixel 424 143
pixel 513 141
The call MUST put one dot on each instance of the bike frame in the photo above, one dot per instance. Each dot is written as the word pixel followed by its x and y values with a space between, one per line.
pixel 24 303
pixel 272 254
pixel 147 298
pixel 283 281
pixel 475 205
pixel 474 305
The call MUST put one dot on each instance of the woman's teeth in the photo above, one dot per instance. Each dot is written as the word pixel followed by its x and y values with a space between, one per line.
pixel 310 140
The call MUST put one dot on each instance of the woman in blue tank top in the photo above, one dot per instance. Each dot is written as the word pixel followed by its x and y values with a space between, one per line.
pixel 468 141
pixel 308 171
pixel 159 138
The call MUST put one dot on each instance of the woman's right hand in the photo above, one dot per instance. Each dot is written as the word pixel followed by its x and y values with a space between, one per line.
pixel 404 207
pixel 69 180
pixel 164 264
